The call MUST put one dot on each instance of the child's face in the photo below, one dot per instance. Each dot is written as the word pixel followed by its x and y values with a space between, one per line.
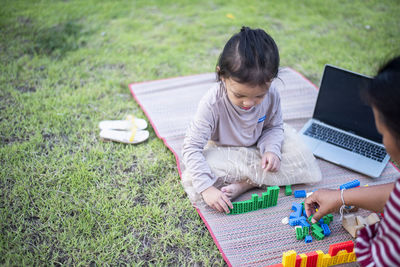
pixel 243 95
pixel 389 140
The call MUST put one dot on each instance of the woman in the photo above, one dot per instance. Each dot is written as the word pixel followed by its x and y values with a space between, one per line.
pixel 379 244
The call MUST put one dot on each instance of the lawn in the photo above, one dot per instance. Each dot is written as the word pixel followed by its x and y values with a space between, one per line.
pixel 67 198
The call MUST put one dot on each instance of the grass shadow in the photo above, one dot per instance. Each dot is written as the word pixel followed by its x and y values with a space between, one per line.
pixel 59 39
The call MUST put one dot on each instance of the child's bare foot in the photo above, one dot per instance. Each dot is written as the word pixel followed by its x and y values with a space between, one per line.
pixel 234 190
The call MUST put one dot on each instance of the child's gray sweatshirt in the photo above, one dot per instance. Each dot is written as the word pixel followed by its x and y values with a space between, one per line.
pixel 226 124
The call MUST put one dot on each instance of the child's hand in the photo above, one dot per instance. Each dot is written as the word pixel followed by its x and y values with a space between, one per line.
pixel 270 162
pixel 325 200
pixel 216 199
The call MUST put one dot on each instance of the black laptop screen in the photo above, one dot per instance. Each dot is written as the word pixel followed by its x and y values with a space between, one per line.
pixel 339 103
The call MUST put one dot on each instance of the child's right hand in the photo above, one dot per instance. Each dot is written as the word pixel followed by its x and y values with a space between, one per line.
pixel 216 199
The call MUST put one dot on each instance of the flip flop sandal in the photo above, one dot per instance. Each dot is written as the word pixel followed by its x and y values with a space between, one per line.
pixel 128 137
pixel 128 124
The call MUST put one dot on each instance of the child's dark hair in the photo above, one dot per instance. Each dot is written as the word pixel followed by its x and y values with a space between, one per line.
pixel 249 57
pixel 384 95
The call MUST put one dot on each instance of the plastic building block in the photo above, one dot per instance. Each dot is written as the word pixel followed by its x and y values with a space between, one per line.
pixel 303 260
pixel 289 258
pixel 303 222
pixel 320 256
pixel 326 229
pixel 268 199
pixel 303 210
pixel 300 193
pixel 306 230
pixel 326 260
pixel 294 221
pixel 312 258
pixel 299 233
pixel 328 219
pixel 317 231
pixel 310 217
pixel 299 221
pixel 335 248
pixel 296 207
pixel 308 239
pixel 288 190
pixel 298 261
pixel 349 185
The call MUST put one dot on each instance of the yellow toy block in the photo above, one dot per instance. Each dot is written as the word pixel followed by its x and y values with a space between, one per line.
pixel 289 258
pixel 320 257
pixel 352 257
pixel 326 260
pixel 341 256
pixel 334 260
pixel 303 260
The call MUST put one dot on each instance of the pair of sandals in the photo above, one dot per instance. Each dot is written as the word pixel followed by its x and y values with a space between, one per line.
pixel 128 131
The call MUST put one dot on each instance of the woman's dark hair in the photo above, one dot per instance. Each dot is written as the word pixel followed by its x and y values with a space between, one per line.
pixel 384 95
pixel 249 57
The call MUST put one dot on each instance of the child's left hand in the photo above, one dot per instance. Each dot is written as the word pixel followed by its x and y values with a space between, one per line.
pixel 270 162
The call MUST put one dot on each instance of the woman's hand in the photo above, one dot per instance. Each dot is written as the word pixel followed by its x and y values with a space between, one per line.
pixel 216 199
pixel 325 200
pixel 270 162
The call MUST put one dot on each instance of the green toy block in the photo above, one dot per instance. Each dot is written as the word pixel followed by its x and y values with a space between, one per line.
pixel 328 219
pixel 317 231
pixel 318 235
pixel 299 233
pixel 268 199
pixel 273 195
pixel 309 218
pixel 306 230
pixel 288 190
pixel 264 198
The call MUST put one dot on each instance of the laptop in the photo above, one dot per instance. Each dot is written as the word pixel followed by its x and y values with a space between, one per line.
pixel 342 129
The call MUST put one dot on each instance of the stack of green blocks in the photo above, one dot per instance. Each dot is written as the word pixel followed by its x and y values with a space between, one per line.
pixel 316 228
pixel 268 199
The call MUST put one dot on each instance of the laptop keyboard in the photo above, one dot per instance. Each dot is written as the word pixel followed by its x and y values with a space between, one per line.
pixel 346 141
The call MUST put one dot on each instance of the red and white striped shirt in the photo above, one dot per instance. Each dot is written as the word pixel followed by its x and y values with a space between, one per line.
pixel 379 244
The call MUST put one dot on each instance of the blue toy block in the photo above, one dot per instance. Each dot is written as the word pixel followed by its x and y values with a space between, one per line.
pixel 321 221
pixel 308 239
pixel 303 221
pixel 349 185
pixel 304 212
pixel 294 221
pixel 300 193
pixel 296 207
pixel 326 229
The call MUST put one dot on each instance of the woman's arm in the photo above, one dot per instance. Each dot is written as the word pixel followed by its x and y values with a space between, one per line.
pixel 371 198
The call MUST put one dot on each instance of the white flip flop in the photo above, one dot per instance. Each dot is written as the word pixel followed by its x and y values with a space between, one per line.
pixel 128 137
pixel 128 124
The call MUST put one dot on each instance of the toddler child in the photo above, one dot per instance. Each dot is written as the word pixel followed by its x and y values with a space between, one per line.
pixel 238 131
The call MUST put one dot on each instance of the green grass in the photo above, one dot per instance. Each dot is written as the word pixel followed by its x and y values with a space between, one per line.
pixel 66 197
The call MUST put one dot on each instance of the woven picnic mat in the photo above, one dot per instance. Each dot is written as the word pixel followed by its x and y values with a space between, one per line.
pixel 256 238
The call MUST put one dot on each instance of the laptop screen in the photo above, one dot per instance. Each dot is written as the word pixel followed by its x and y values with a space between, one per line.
pixel 339 103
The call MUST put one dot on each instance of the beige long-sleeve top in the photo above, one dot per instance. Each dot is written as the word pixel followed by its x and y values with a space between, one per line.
pixel 226 124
